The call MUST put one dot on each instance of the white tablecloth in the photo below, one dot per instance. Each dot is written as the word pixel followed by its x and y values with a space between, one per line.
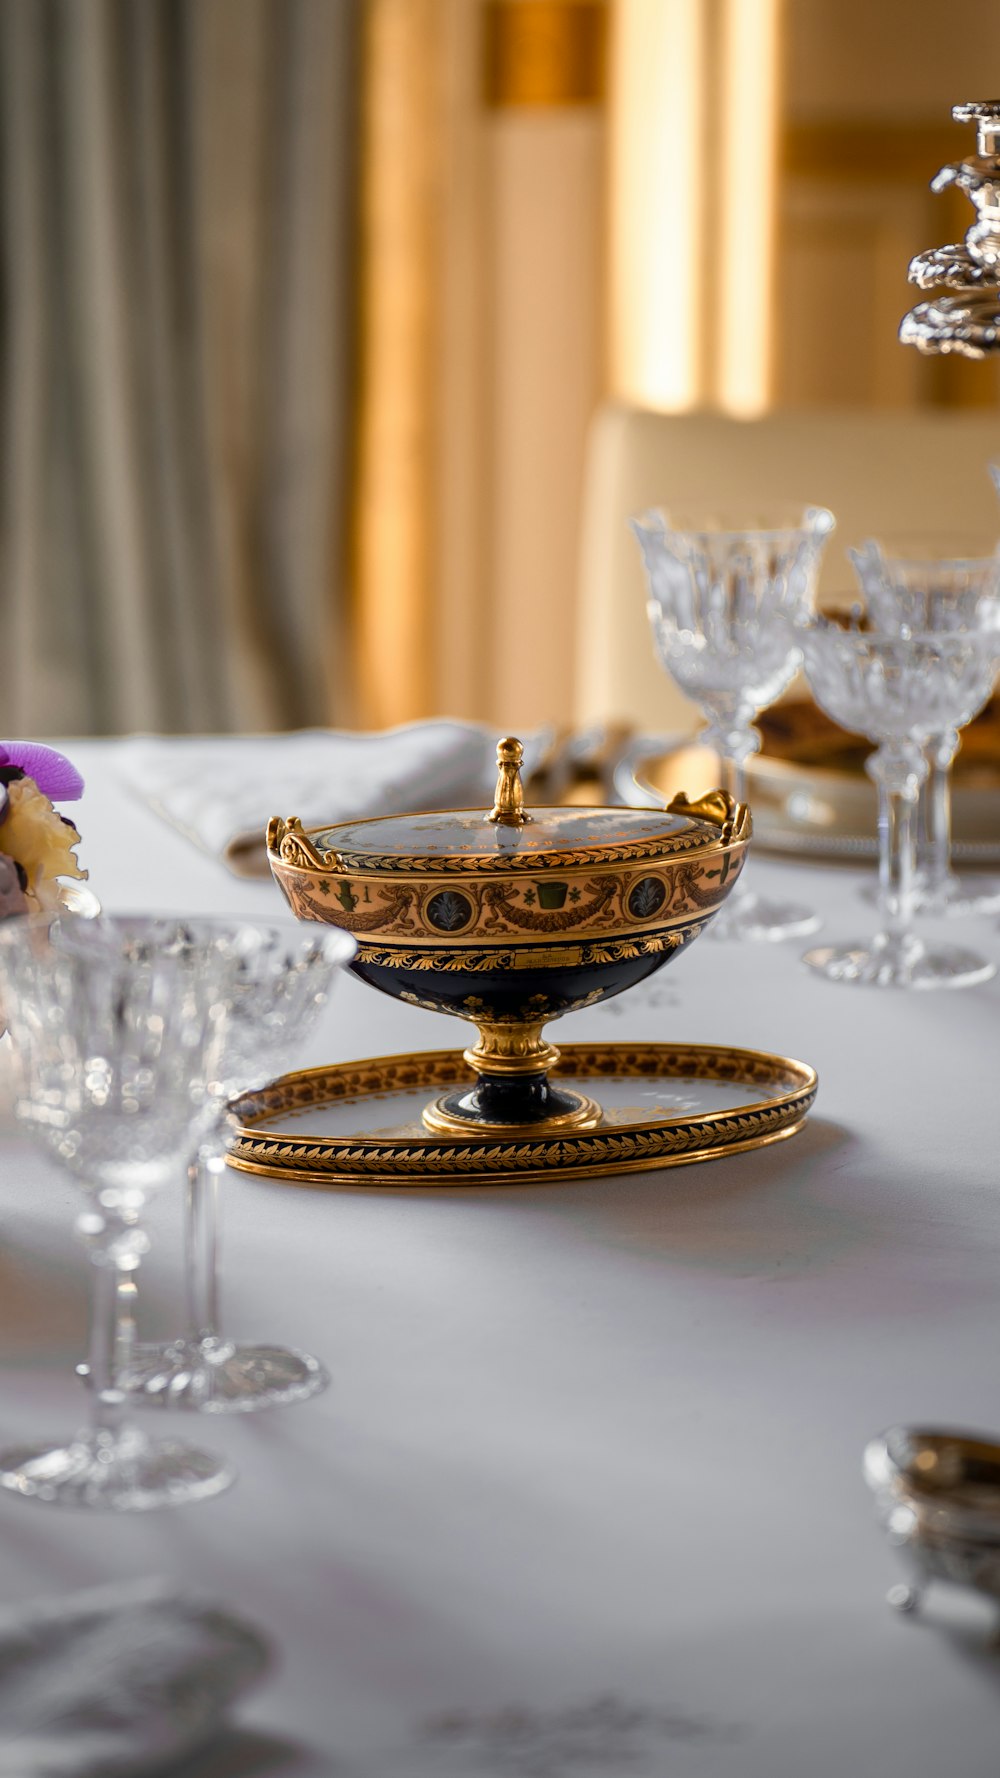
pixel 584 1497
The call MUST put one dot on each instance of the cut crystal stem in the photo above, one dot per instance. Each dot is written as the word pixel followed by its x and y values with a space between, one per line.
pixel 898 771
pixel 201 1240
pixel 109 1334
pixel 748 915
pixel 204 1370
pixel 734 779
pixel 934 857
pixel 897 858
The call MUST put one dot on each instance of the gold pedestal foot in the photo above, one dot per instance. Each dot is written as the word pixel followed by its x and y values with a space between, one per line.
pixel 446 1118
pixel 512 1094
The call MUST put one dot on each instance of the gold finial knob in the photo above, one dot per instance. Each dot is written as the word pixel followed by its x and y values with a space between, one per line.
pixel 508 798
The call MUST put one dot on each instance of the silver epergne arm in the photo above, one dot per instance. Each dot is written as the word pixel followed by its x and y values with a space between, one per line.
pixel 967 320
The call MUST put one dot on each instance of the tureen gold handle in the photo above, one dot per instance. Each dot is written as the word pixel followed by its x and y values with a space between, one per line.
pixel 508 798
pixel 289 841
pixel 717 807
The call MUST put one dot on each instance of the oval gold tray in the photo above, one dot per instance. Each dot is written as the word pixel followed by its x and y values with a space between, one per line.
pixel 665 1105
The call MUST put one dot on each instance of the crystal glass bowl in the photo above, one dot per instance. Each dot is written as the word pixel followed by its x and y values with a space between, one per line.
pixel 725 595
pixel 510 919
pixel 899 690
pixel 930 584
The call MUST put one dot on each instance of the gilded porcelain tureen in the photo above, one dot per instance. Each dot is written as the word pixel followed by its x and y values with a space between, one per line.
pixel 509 919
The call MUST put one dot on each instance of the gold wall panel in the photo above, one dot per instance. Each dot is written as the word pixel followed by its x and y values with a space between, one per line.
pixel 871 151
pixel 544 52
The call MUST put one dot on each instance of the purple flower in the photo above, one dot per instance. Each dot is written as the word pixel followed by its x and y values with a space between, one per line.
pixel 55 776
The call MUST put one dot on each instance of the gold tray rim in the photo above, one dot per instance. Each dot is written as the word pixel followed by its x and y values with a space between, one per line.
pixel 373 1161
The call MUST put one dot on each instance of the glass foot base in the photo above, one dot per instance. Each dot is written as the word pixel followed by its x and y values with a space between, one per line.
pixel 961 896
pixel 752 916
pixel 888 962
pixel 114 1472
pixel 213 1378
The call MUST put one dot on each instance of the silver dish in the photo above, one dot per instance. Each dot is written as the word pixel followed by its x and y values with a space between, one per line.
pixel 807 811
pixel 937 1494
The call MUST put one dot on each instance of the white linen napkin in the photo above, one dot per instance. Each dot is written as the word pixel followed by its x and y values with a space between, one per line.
pixel 220 790
pixel 118 1681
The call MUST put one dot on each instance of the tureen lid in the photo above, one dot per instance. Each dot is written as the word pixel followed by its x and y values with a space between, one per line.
pixel 508 835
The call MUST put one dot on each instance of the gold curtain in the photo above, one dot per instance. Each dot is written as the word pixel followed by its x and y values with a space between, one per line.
pixel 481 350
pixel 400 283
pixel 694 119
pixel 175 229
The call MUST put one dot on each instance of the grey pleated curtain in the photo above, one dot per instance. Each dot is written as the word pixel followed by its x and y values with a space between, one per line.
pixel 175 350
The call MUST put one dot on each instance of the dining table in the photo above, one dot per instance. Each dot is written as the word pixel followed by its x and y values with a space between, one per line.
pixel 584 1497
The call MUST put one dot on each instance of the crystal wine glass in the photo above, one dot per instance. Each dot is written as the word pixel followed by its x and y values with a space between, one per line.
pixel 899 690
pixel 278 981
pixel 926 585
pixel 723 606
pixel 117 1026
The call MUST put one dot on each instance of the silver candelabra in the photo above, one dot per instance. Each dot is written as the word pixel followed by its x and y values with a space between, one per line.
pixel 967 320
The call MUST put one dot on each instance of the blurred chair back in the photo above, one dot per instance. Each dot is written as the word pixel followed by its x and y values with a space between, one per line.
pixel 885 471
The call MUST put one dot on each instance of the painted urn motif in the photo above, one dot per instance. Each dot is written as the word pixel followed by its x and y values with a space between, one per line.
pixel 509 919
